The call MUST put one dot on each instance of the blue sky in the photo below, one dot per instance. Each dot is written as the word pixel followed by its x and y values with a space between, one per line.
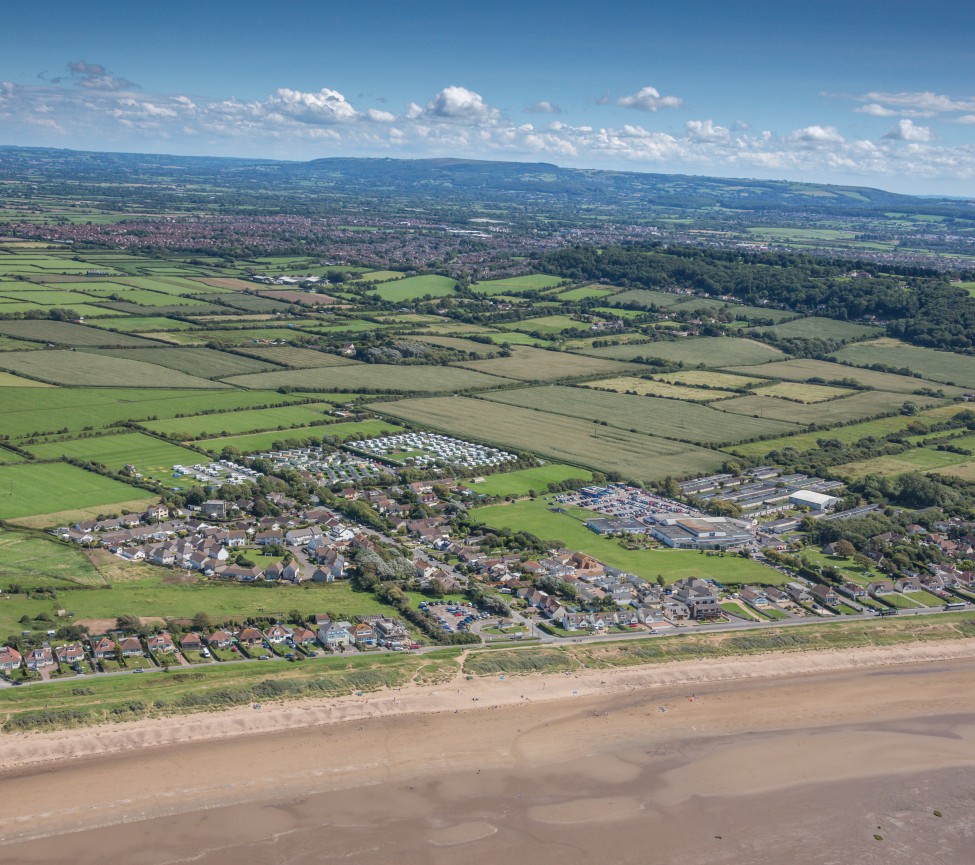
pixel 874 93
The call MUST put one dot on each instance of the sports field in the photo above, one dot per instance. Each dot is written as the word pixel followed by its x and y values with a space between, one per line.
pixel 520 483
pixel 633 455
pixel 29 489
pixel 669 418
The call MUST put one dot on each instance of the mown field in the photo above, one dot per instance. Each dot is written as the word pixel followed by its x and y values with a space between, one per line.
pixel 29 489
pixel 151 456
pixel 711 379
pixel 67 333
pixel 634 455
pixel 265 441
pixel 94 370
pixel 202 362
pixel 520 483
pixel 546 325
pixel 942 366
pixel 142 323
pixel 914 460
pixel 235 423
pixel 669 418
pixel 32 561
pixel 803 392
pixel 533 364
pixel 515 284
pixel 372 377
pixel 815 327
pixel 651 387
pixel 861 405
pixel 707 351
pixel 299 358
pixel 413 287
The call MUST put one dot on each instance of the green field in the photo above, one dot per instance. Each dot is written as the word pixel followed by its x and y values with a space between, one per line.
pixel 804 369
pixel 458 343
pixel 30 561
pixel 802 392
pixel 265 441
pixel 371 377
pixel 30 412
pixel 821 328
pixel 705 351
pixel 520 483
pixel 859 406
pixel 299 358
pixel 515 284
pixel 235 423
pixel 29 489
pixel 516 338
pixel 943 366
pixel 914 460
pixel 584 292
pixel 141 324
pixel 650 387
pixel 66 333
pixel 633 455
pixel 202 362
pixel 711 379
pixel 415 287
pixel 534 364
pixel 669 418
pixel 151 456
pixel 546 325
pixel 534 516
pixel 69 367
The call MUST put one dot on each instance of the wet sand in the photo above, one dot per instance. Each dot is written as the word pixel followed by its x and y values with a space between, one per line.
pixel 801 768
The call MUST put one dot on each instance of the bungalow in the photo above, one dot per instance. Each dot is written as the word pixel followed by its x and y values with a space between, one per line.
pixel 191 643
pixel 775 595
pixel 753 596
pixel 854 590
pixel 101 648
pixel 130 647
pixel 241 574
pixel 879 588
pixel 908 584
pixel 35 659
pixel 220 639
pixel 10 658
pixel 277 634
pixel 161 642
pixel 301 636
pixel 250 637
pixel 363 635
pixel 825 595
pixel 71 654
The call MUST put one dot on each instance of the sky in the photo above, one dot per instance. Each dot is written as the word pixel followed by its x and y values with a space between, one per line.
pixel 866 92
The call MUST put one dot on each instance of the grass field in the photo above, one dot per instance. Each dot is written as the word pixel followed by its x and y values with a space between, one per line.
pixel 535 517
pixel 30 489
pixel 710 378
pixel 546 325
pixel 30 561
pixel 633 455
pixel 265 441
pixel 151 456
pixel 802 392
pixel 647 298
pixel 141 323
pixel 519 483
pixel 202 362
pixel 516 338
pixel 815 327
pixel 371 377
pixel 846 434
pixel 67 333
pixel 943 366
pixel 458 343
pixel 533 364
pixel 914 460
pixel 415 287
pixel 586 291
pixel 235 423
pixel 648 387
pixel 515 284
pixel 803 369
pixel 38 411
pixel 669 418
pixel 9 380
pixel 67 367
pixel 860 405
pixel 705 351
pixel 299 358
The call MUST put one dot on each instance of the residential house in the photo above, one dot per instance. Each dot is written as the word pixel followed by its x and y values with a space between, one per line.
pixel 271 536
pixel 39 658
pixel 825 595
pixel 699 596
pixel 334 635
pixel 363 635
pixel 798 592
pixel 301 636
pixel 161 643
pixel 907 584
pixel 250 637
pixel 191 642
pixel 291 572
pixel 130 647
pixel 277 634
pixel 102 648
pixel 220 639
pixel 71 654
pixel 879 588
pixel 10 659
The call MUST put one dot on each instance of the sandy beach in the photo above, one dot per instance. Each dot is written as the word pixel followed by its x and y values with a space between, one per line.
pixel 794 757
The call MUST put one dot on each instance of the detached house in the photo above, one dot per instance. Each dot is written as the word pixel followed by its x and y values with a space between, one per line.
pixel 10 658
pixel 161 642
pixel 37 659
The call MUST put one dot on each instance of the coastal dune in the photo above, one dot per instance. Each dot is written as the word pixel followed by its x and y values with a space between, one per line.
pixel 818 752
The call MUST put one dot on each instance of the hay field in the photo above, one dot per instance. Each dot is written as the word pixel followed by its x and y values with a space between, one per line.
pixel 668 418
pixel 633 455
pixel 802 392
pixel 859 406
pixel 649 387
pixel 515 284
pixel 547 325
pixel 298 358
pixel 94 370
pixel 202 362
pixel 371 377
pixel 265 440
pixel 67 333
pixel 942 366
pixel 534 364
pixel 707 351
pixel 816 327
pixel 244 421
pixel 711 378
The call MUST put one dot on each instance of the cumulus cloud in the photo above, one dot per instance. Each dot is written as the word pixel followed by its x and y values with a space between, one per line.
pixel 543 106
pixel 325 106
pixel 817 135
pixel 94 76
pixel 706 130
pixel 910 103
pixel 875 109
pixel 907 130
pixel 460 103
pixel 649 99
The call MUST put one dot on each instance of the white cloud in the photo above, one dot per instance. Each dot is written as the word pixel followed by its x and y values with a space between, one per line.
pixel 705 130
pixel 380 116
pixel 922 101
pixel 817 135
pixel 965 118
pixel 907 130
pixel 875 109
pixel 94 76
pixel 325 106
pixel 649 99
pixel 543 106
pixel 460 103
